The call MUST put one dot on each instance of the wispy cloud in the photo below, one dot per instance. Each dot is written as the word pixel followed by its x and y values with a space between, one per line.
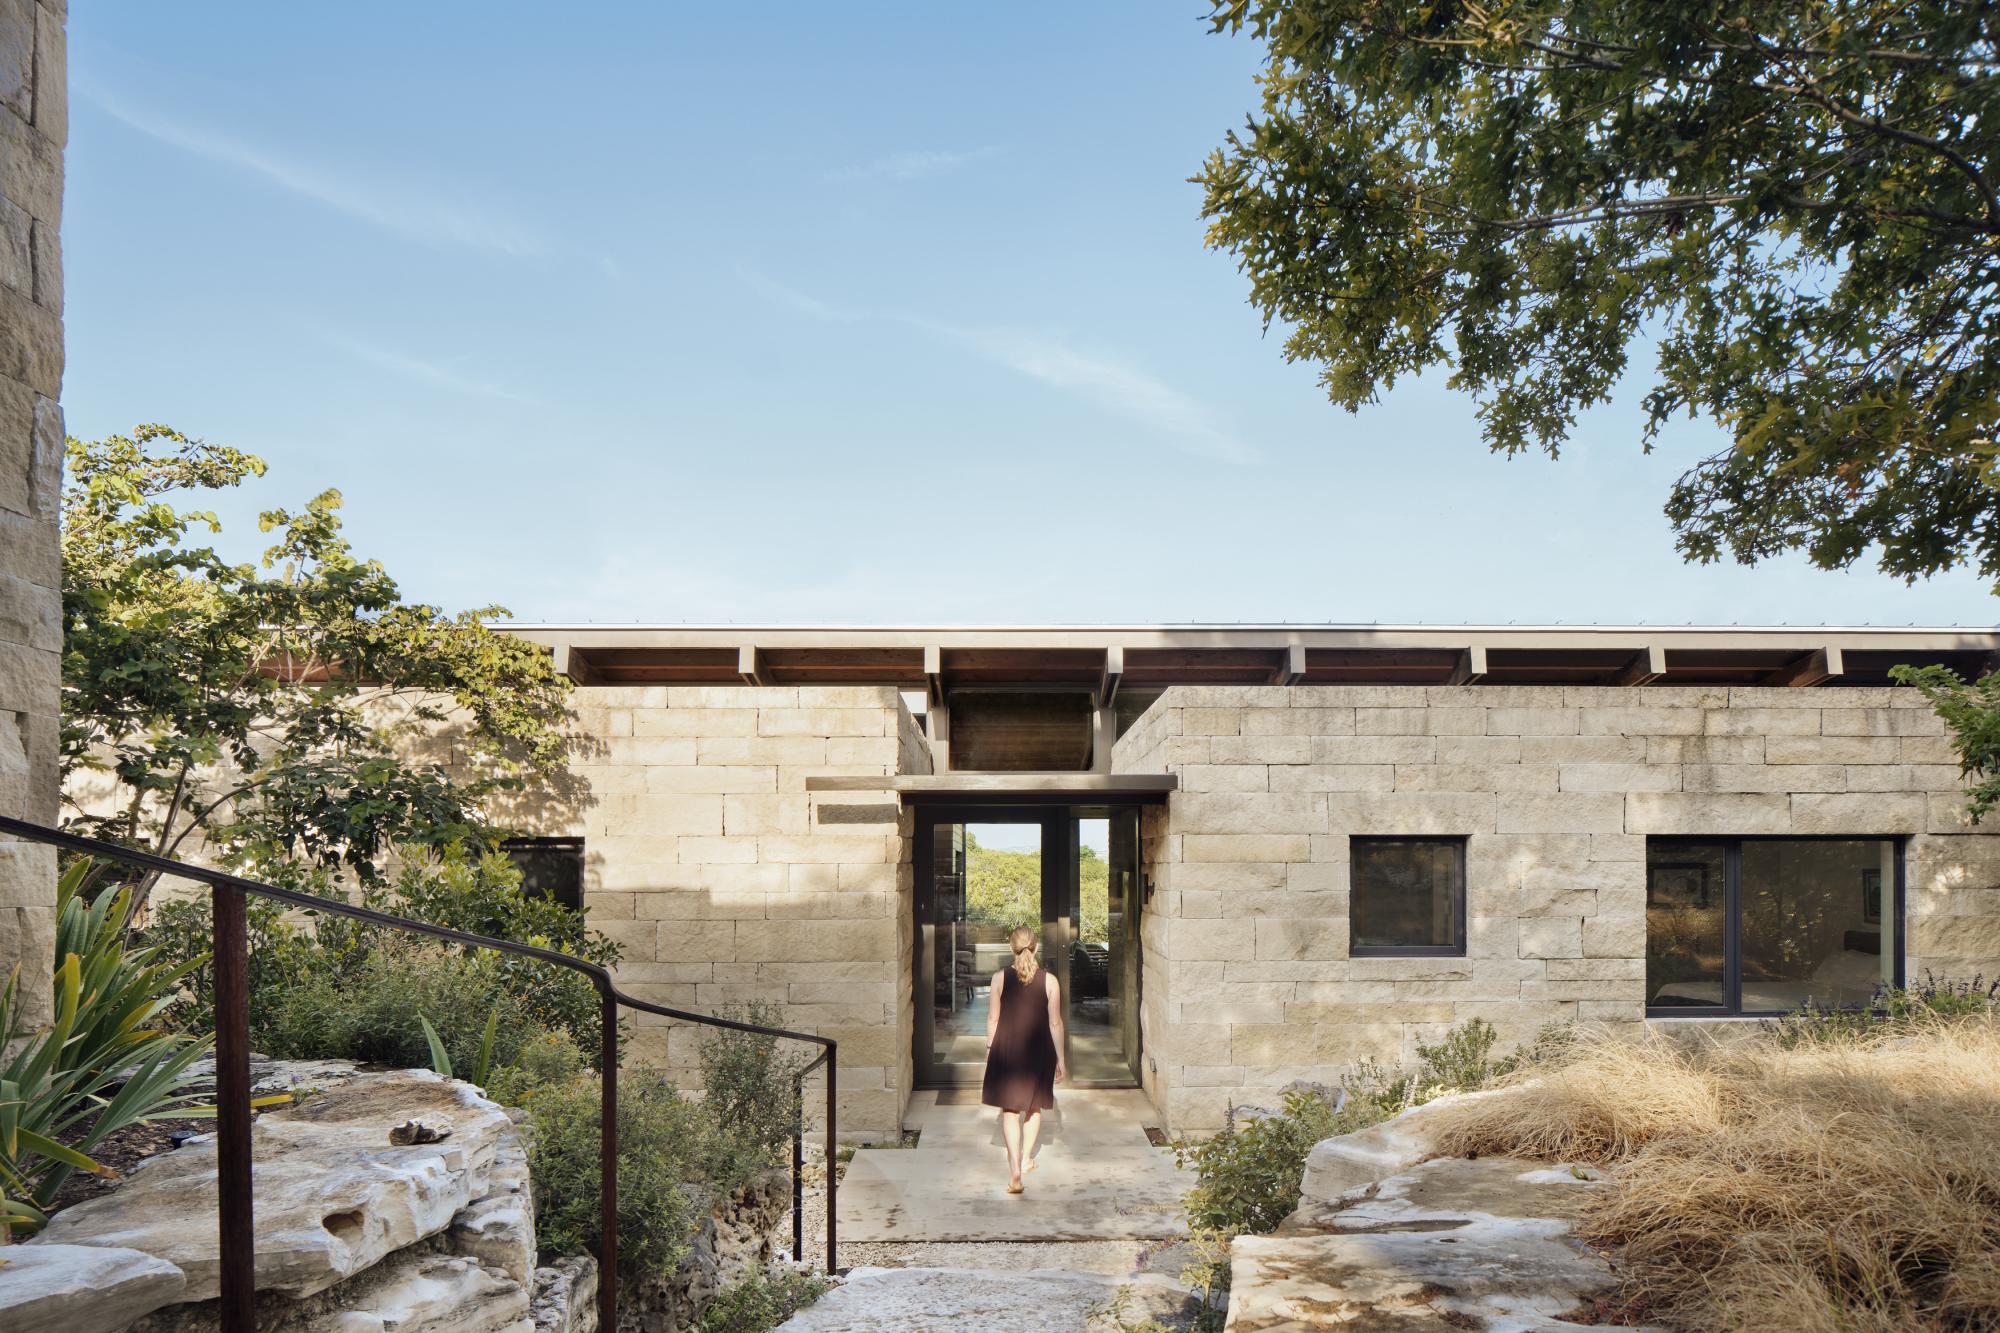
pixel 911 165
pixel 1108 382
pixel 1114 385
pixel 412 211
pixel 420 371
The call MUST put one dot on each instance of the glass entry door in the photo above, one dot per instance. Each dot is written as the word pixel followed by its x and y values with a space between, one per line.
pixel 1070 874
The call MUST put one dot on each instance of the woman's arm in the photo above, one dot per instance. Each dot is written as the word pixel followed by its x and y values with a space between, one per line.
pixel 993 1011
pixel 1056 1026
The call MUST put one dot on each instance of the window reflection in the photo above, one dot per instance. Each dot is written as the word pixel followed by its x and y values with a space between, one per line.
pixel 1813 923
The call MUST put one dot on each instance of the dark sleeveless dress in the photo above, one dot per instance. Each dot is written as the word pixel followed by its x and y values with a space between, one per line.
pixel 1021 1067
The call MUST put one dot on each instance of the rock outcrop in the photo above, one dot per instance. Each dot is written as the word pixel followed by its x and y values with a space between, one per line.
pixel 332 1197
pixel 565 1296
pixel 1487 1243
pixel 81 1288
pixel 1349 1161
pixel 434 1293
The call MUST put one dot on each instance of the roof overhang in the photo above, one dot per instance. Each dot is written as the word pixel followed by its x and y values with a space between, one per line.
pixel 1012 788
pixel 1106 659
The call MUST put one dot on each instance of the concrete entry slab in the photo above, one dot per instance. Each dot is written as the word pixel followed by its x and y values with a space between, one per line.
pixel 1098 1177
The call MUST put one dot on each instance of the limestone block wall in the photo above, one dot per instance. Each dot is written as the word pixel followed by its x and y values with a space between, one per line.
pixel 1248 980
pixel 34 125
pixel 727 882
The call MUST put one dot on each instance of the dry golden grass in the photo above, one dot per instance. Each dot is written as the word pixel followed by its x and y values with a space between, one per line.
pixel 1851 1187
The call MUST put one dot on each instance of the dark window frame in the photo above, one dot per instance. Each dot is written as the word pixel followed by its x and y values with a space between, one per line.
pixel 1732 914
pixel 1457 842
pixel 510 846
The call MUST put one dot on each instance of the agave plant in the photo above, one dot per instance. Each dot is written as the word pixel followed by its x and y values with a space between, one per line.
pixel 101 1066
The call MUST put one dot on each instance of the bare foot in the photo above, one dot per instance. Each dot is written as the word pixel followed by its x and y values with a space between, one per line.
pixel 1029 1165
pixel 1014 1185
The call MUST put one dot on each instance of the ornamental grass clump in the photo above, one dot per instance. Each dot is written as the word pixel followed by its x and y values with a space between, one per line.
pixel 1839 1185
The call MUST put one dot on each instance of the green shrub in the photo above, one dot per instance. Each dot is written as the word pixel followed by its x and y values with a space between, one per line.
pixel 1461 1060
pixel 1247 1177
pixel 545 1060
pixel 748 1078
pixel 664 1143
pixel 375 1015
pixel 476 893
pixel 761 1302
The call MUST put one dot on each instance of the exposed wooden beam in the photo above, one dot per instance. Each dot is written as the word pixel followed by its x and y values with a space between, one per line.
pixel 1647 666
pixel 1293 669
pixel 1107 680
pixel 575 665
pixel 1816 667
pixel 750 666
pixel 1471 668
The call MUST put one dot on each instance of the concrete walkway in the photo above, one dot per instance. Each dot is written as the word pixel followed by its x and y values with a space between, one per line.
pixel 1098 1177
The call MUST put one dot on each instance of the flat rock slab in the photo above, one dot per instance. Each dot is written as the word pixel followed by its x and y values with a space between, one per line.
pixel 1097 1178
pixel 1041 1300
pixel 331 1196
pixel 1489 1241
pixel 81 1288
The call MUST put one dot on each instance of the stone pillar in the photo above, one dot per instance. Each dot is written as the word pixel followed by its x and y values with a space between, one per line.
pixel 34 124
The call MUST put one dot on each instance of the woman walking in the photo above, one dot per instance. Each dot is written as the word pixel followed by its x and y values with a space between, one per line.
pixel 1024 1043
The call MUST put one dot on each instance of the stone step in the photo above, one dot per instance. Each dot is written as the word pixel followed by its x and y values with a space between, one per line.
pixel 1042 1300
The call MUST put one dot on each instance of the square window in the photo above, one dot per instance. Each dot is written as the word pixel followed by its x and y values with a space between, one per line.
pixel 550 868
pixel 1406 897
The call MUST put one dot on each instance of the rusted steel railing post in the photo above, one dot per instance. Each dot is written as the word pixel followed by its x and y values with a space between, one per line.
pixel 607 1165
pixel 234 1223
pixel 832 1174
pixel 799 1169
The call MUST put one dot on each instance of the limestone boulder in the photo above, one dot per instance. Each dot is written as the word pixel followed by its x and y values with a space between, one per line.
pixel 499 1228
pixel 81 1288
pixel 1348 1161
pixel 429 1293
pixel 1487 1243
pixel 565 1296
pixel 332 1196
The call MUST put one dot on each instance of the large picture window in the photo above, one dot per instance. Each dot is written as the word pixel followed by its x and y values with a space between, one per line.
pixel 1406 897
pixel 1766 925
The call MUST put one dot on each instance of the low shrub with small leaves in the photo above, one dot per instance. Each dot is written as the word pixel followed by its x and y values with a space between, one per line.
pixel 376 1013
pixel 664 1141
pixel 748 1077
pixel 545 1060
pixel 1894 1009
pixel 1247 1177
pixel 761 1302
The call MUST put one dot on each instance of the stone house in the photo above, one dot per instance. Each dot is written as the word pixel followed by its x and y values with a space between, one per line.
pixel 1264 853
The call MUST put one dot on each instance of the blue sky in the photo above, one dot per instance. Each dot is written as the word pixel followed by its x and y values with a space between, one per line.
pixel 865 313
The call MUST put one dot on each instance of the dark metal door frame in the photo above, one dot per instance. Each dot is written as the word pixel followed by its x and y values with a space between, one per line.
pixel 1059 857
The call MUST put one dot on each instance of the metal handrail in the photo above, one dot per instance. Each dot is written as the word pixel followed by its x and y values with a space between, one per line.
pixel 232 1065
